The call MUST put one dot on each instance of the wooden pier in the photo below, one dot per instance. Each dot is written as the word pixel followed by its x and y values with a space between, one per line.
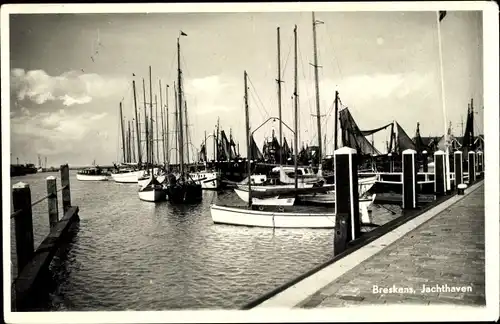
pixel 33 264
pixel 348 239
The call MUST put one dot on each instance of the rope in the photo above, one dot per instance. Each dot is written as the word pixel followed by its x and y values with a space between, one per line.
pixel 17 212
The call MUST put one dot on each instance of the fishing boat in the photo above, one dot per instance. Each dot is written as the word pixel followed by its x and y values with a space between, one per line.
pixel 270 215
pixel 182 189
pixel 92 174
pixel 207 179
pixel 152 191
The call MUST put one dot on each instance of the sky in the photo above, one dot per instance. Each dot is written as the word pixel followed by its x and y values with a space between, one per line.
pixel 385 65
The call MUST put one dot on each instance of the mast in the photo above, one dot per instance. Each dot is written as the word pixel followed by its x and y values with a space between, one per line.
pixel 247 133
pixel 206 150
pixel 187 133
pixel 146 128
pixel 336 120
pixel 176 125
pixel 443 102
pixel 215 146
pixel 278 80
pixel 129 140
pixel 167 135
pixel 123 134
pixel 132 145
pixel 162 124
pixel 181 134
pixel 472 123
pixel 316 84
pixel 217 138
pixel 138 133
pixel 157 128
pixel 296 96
pixel 151 117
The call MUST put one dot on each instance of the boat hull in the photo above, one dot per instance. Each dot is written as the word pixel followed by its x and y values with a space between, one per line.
pixel 127 177
pixel 153 194
pixel 189 193
pixel 207 180
pixel 86 177
pixel 245 217
pixel 142 181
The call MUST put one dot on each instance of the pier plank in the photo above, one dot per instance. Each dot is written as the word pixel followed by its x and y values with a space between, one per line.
pixel 28 277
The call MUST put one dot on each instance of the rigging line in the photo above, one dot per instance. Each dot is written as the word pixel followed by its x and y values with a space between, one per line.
pixel 304 75
pixel 287 56
pixel 256 93
pixel 334 56
pixel 259 109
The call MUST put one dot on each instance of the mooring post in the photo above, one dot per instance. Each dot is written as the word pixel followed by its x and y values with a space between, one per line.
pixel 480 161
pixel 439 173
pixel 52 201
pixel 459 174
pixel 391 166
pixel 425 159
pixel 21 200
pixel 472 167
pixel 410 187
pixel 347 220
pixel 66 191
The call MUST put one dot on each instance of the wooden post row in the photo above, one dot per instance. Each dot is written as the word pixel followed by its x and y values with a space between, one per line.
pixel 410 186
pixel 472 167
pixel 425 161
pixel 21 199
pixel 348 224
pixel 459 174
pixel 66 191
pixel 52 201
pixel 439 173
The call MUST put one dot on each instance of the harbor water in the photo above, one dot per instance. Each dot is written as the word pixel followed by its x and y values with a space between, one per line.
pixel 129 254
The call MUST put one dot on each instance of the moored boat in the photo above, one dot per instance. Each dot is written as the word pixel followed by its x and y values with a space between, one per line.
pixel 153 191
pixel 207 179
pixel 273 219
pixel 92 174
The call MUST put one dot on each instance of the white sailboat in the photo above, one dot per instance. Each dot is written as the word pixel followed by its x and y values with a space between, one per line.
pixel 153 190
pixel 269 218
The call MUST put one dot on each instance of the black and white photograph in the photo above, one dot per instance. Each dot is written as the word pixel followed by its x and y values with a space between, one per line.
pixel 246 162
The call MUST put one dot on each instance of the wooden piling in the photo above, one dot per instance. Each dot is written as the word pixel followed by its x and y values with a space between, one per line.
pixel 52 201
pixel 391 164
pixel 346 190
pixel 66 191
pixel 480 162
pixel 472 167
pixel 439 173
pixel 410 188
pixel 21 199
pixel 459 174
pixel 425 161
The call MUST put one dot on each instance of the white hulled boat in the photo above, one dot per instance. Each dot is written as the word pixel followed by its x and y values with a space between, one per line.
pixel 92 174
pixel 153 191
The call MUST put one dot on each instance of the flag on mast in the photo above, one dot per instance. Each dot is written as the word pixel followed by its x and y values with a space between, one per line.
pixel 183 33
pixel 442 14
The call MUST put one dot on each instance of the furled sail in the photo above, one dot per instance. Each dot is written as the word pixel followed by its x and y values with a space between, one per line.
pixel 353 137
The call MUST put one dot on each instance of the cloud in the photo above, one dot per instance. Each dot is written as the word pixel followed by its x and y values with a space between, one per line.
pixel 216 94
pixel 70 88
pixel 55 127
